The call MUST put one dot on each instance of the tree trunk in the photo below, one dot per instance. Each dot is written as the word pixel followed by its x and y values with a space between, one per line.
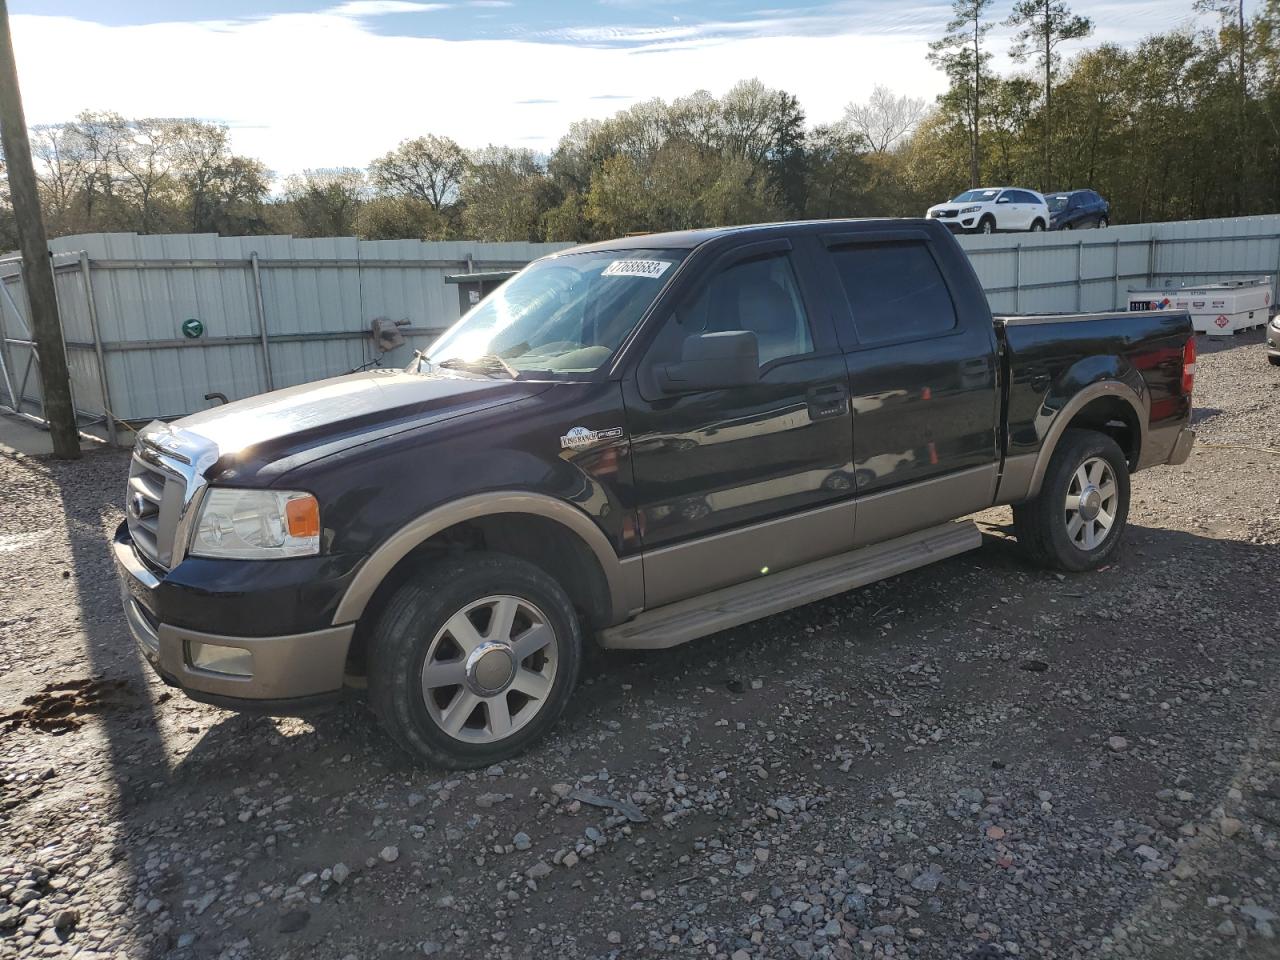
pixel 975 171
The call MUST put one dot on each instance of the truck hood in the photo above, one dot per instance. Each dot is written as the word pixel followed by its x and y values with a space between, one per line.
pixel 330 415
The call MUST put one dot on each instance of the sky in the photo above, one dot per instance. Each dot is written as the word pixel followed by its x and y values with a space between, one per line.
pixel 325 83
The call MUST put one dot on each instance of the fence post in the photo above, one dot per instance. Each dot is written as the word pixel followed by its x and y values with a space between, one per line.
pixel 103 384
pixel 4 360
pixel 1115 280
pixel 1079 274
pixel 262 319
pixel 1017 277
pixel 1151 261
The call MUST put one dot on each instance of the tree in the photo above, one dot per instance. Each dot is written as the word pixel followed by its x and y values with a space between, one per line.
pixel 146 156
pixel 961 57
pixel 325 203
pixel 503 195
pixel 1042 26
pixel 427 168
pixel 884 119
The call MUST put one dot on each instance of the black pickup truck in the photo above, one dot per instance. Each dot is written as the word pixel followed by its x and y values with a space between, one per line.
pixel 635 443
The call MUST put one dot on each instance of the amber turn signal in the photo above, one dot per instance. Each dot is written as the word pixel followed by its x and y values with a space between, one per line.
pixel 303 515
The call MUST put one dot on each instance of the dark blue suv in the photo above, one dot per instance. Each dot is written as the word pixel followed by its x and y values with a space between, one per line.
pixel 1077 210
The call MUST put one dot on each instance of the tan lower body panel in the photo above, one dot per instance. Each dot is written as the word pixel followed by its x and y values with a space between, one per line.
pixel 759 597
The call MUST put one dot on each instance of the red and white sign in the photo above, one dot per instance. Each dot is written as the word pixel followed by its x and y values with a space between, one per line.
pixel 1222 320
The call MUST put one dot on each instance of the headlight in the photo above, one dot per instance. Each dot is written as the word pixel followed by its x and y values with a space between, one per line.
pixel 971 209
pixel 257 525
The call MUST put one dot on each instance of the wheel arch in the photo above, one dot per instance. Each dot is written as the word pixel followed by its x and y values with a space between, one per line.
pixel 1111 407
pixel 552 533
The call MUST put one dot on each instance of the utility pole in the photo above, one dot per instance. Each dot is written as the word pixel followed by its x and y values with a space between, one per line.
pixel 37 268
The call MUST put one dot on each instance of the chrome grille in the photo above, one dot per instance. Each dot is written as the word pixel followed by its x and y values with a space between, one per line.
pixel 166 478
pixel 144 507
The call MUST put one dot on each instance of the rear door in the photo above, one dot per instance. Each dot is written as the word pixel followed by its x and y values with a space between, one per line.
pixel 922 378
pixel 734 483
pixel 1006 210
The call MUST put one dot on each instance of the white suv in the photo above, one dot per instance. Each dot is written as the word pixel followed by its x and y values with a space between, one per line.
pixel 992 209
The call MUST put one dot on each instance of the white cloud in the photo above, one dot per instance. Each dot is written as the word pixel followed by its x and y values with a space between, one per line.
pixel 375 8
pixel 322 89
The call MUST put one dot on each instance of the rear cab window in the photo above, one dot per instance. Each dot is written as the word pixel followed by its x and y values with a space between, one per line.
pixel 896 291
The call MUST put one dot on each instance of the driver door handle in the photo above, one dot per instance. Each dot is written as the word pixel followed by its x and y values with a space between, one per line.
pixel 827 400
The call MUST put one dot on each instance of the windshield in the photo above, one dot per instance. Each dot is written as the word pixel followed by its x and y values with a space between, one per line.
pixel 562 315
pixel 1057 202
pixel 976 196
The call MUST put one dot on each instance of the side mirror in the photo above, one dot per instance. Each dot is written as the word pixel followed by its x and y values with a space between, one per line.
pixel 713 361
pixel 1004 200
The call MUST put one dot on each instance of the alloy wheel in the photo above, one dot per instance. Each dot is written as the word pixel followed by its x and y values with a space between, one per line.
pixel 490 669
pixel 1090 508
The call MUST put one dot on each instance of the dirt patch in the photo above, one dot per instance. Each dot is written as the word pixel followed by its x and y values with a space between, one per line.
pixel 62 707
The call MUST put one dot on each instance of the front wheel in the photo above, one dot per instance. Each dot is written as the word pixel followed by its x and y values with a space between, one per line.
pixel 474 659
pixel 1274 361
pixel 1077 519
pixel 1103 223
pixel 1037 226
pixel 988 225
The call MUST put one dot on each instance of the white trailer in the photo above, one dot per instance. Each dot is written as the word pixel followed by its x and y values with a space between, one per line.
pixel 1215 308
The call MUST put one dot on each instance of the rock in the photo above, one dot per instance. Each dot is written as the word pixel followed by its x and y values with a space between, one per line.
pixel 430 948
pixel 1230 826
pixel 340 873
pixel 414 799
pixel 648 894
pixel 538 870
pixel 9 918
pixel 154 906
pixel 1257 914
pixel 927 882
pixel 995 833
pixel 561 790
pixel 1184 871
pixel 494 771
pixel 740 955
pixel 570 860
pixel 614 937
pixel 1226 928
pixel 784 805
pixel 1118 744
pixel 294 920
pixel 802 948
pixel 1147 852
pixel 390 854
pixel 521 841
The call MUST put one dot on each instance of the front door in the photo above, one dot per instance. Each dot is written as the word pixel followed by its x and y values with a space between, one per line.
pixel 737 483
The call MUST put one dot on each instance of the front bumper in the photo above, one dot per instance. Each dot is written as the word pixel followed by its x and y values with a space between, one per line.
pixel 281 673
pixel 1273 339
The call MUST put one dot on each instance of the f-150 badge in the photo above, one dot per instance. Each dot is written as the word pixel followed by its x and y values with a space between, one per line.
pixel 582 437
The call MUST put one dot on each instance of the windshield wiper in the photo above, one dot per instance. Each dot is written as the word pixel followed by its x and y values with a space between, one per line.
pixel 484 364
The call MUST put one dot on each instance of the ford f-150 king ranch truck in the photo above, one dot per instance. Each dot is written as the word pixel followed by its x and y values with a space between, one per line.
pixel 636 443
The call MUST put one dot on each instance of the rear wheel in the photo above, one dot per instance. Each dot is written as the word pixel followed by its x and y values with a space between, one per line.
pixel 1103 223
pixel 1274 361
pixel 1077 519
pixel 474 659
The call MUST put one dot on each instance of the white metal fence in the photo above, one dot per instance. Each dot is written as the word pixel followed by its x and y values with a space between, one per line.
pixel 1092 270
pixel 274 311
pixel 277 311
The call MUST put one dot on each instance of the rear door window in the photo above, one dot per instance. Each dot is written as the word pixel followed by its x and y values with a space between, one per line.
pixel 895 291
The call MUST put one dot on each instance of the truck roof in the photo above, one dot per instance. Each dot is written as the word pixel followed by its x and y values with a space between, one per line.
pixel 688 239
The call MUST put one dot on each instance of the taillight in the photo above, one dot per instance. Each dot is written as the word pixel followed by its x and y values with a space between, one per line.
pixel 1189 366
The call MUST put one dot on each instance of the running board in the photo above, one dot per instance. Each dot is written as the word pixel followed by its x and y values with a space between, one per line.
pixel 696 617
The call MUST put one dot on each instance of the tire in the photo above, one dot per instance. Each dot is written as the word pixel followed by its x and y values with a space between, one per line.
pixel 1068 226
pixel 1037 225
pixel 1103 223
pixel 417 629
pixel 987 224
pixel 1274 361
pixel 1059 538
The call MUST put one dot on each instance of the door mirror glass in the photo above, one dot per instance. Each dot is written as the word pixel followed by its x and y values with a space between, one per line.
pixel 713 361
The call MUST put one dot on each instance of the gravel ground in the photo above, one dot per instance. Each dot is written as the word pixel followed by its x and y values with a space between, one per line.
pixel 975 759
